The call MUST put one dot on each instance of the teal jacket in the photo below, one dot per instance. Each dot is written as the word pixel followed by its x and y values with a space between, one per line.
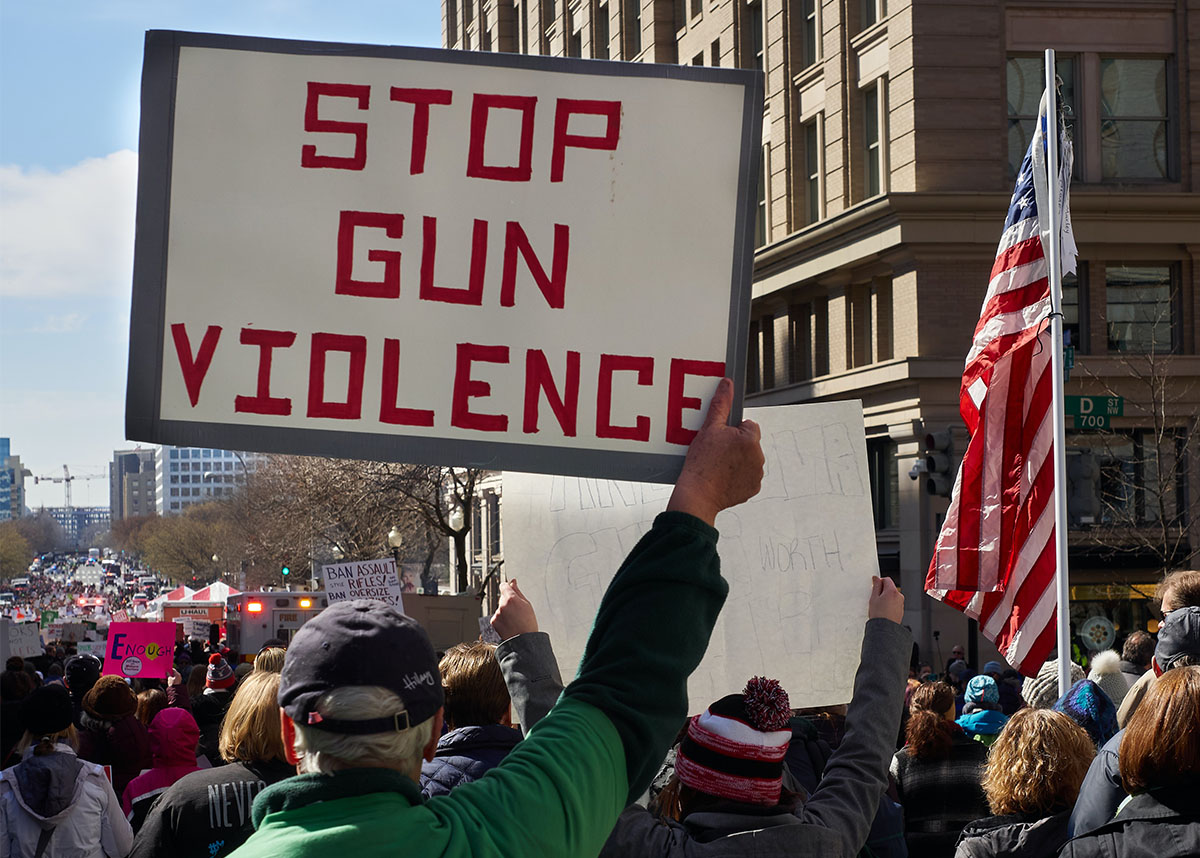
pixel 560 791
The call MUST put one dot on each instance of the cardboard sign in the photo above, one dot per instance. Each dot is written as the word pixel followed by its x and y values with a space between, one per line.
pixel 364 579
pixel 438 256
pixel 25 640
pixel 140 649
pixel 95 648
pixel 193 628
pixel 798 557
pixel 70 632
pixel 121 616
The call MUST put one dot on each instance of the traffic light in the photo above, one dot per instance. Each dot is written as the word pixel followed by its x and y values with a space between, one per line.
pixel 285 571
pixel 939 463
pixel 1083 482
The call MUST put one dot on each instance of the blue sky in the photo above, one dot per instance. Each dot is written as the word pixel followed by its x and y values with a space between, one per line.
pixel 69 88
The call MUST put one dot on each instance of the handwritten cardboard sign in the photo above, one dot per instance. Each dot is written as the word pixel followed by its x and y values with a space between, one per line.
pixel 798 557
pixel 421 255
pixel 24 639
pixel 364 579
pixel 140 649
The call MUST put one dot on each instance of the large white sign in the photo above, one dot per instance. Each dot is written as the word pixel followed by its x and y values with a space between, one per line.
pixel 423 255
pixel 24 639
pixel 364 579
pixel 798 557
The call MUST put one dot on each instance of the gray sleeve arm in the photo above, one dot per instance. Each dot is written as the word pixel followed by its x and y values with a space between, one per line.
pixel 531 674
pixel 856 775
pixel 1101 792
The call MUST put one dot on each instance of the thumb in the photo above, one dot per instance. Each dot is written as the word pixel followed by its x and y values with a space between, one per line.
pixel 517 590
pixel 720 404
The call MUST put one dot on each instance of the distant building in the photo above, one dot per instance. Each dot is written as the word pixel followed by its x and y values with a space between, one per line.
pixel 131 483
pixel 12 483
pixel 79 522
pixel 184 476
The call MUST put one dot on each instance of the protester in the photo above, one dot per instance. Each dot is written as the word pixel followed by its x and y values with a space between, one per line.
pixel 938 774
pixel 15 686
pixel 112 735
pixel 80 674
pixel 957 653
pixel 1041 691
pixel 1102 791
pixel 52 803
pixel 195 680
pixel 1032 778
pixel 1160 769
pixel 477 717
pixel 1105 671
pixel 363 666
pixel 173 738
pixel 209 706
pixel 270 659
pixel 1179 589
pixel 982 719
pixel 206 814
pixel 1087 705
pixel 149 703
pixel 1010 694
pixel 1135 657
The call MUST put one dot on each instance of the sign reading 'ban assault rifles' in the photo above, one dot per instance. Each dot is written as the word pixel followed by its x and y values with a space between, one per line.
pixel 512 262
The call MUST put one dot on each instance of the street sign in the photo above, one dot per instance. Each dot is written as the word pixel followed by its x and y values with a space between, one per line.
pixel 1093 412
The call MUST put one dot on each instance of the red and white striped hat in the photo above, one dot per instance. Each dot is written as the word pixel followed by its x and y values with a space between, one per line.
pixel 735 749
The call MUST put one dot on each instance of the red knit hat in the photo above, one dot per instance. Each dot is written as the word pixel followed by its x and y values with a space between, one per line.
pixel 220 674
pixel 735 749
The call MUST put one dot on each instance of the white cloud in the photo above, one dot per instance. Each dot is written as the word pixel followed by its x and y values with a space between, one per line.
pixel 68 232
pixel 67 323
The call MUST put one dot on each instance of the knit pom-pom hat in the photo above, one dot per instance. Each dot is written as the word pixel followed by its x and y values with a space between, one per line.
pixel 1106 672
pixel 735 749
pixel 1088 706
pixel 1041 691
pixel 220 674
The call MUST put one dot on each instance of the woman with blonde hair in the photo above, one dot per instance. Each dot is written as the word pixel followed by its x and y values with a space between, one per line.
pixel 1032 779
pixel 938 774
pixel 52 803
pixel 184 822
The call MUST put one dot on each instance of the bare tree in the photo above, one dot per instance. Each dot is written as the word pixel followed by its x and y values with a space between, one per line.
pixel 443 498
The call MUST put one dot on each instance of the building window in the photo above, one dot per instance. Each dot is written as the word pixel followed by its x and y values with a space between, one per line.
pixel 1133 118
pixel 860 325
pixel 1025 83
pixel 872 139
pixel 469 11
pixel 493 502
pixel 174 467
pixel 756 35
pixel 808 339
pixel 476 528
pixel 451 23
pixel 174 493
pixel 812 171
pixel 1139 308
pixel 761 218
pixel 697 8
pixel 885 482
pixel 631 28
pixel 698 60
pixel 485 34
pixel 810 32
pixel 1142 481
pixel 881 299
pixel 760 363
pixel 680 12
pixel 872 13
pixel 600 33
pixel 1074 309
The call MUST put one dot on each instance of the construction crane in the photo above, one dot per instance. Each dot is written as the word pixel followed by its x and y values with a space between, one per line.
pixel 66 479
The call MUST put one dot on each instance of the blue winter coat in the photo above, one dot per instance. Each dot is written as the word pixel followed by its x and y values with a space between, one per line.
pixel 983 722
pixel 463 755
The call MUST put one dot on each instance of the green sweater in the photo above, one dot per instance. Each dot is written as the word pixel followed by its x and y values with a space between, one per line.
pixel 560 791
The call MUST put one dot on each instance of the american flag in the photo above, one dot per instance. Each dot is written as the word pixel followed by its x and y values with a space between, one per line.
pixel 995 558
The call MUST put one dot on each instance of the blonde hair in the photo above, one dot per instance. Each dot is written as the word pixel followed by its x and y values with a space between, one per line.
pixel 474 686
pixel 250 729
pixel 270 659
pixel 1037 763
pixel 44 744
pixel 326 752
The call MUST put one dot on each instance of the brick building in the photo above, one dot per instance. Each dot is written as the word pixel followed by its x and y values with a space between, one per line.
pixel 891 131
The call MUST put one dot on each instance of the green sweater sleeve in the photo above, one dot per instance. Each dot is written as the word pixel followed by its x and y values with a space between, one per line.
pixel 651 631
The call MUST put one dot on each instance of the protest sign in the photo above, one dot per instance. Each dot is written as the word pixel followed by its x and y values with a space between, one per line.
pixel 365 579
pixel 95 648
pixel 193 627
pixel 140 649
pixel 120 616
pixel 69 632
pixel 799 557
pixel 24 639
pixel 429 256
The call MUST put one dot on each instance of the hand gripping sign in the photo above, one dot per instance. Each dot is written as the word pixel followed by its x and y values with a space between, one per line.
pixel 438 256
pixel 140 649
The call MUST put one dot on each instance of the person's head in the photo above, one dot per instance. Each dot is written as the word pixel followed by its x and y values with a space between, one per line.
pixel 15 685
pixel 1041 691
pixel 982 693
pixel 1037 763
pixel 47 715
pixel 110 700
pixel 174 735
pixel 1139 649
pixel 360 687
pixel 928 733
pixel 250 730
pixel 957 653
pixel 1161 746
pixel 1087 705
pixel 1179 589
pixel 242 671
pixel 1178 640
pixel 1106 672
pixel 270 659
pixel 219 676
pixel 925 672
pixel 474 686
pixel 734 751
pixel 149 703
pixel 80 673
pixel 995 669
pixel 959 674
pixel 195 679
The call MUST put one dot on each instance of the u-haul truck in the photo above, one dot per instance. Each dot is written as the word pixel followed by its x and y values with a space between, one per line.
pixel 252 619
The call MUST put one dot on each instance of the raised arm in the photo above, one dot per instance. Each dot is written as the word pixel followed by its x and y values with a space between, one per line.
pixel 526 658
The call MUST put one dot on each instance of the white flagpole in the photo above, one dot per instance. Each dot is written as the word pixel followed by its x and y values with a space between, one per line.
pixel 1054 256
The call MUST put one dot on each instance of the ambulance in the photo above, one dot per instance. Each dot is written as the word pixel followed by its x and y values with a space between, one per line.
pixel 251 619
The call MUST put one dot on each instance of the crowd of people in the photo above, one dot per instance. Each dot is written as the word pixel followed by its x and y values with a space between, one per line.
pixel 359 739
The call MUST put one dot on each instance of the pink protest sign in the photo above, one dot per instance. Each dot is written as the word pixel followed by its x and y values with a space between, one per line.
pixel 140 649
